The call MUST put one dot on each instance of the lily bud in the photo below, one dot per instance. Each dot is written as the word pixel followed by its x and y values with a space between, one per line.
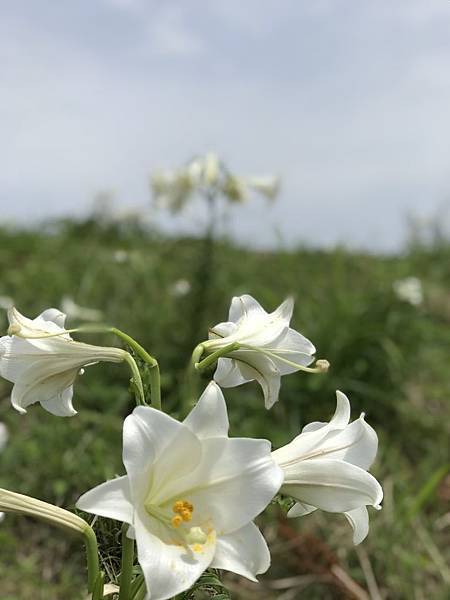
pixel 31 507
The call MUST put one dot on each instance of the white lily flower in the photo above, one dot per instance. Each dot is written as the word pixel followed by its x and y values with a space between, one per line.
pixel 42 361
pixel 3 439
pixel 326 467
pixel 266 347
pixel 190 495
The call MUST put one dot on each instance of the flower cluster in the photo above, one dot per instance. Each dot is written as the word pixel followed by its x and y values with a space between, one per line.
pixel 209 176
pixel 191 493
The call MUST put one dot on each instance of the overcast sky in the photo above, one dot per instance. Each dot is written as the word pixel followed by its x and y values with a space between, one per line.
pixel 348 100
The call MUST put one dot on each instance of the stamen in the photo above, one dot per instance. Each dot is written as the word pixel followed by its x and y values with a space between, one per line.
pixel 176 521
pixel 186 515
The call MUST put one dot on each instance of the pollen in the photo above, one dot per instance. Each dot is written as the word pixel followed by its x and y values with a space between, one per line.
pixel 183 510
pixel 178 506
pixel 176 521
pixel 197 548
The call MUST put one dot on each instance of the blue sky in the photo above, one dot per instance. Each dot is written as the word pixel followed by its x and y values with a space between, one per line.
pixel 348 100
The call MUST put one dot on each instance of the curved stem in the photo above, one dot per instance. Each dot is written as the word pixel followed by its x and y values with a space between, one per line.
pixel 212 358
pixel 127 565
pixel 93 565
pixel 137 379
pixel 155 382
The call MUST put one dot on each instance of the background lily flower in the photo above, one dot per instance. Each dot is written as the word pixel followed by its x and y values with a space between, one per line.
pixel 326 467
pixel 42 361
pixel 3 440
pixel 190 495
pixel 268 347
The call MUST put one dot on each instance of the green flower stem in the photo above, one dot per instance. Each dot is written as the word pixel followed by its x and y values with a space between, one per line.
pixel 97 593
pixel 140 397
pixel 197 354
pixel 212 358
pixel 95 582
pixel 58 517
pixel 155 382
pixel 127 565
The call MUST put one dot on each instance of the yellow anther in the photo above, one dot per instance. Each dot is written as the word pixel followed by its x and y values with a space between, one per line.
pixel 178 506
pixel 176 521
pixel 189 506
pixel 197 548
pixel 186 515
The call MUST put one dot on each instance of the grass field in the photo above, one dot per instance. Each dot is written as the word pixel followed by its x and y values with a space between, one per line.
pixel 390 357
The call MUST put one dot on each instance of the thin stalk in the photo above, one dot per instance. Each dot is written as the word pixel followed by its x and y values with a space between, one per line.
pixel 140 397
pixel 93 565
pixel 98 591
pixel 212 358
pixel 155 381
pixel 126 565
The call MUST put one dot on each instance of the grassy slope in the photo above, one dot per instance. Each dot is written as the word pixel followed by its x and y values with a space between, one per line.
pixel 391 358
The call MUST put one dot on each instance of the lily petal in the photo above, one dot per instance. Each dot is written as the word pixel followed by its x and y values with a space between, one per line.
pixel 254 365
pixel 300 509
pixel 359 520
pixel 221 480
pixel 169 569
pixel 147 433
pixel 244 552
pixel 60 405
pixel 333 485
pixel 41 384
pixel 111 499
pixel 245 305
pixel 228 374
pixel 209 417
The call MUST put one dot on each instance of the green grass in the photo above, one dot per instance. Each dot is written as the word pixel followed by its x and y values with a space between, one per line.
pixel 389 357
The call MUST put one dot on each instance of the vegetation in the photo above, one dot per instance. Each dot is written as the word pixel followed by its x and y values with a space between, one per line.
pixel 389 356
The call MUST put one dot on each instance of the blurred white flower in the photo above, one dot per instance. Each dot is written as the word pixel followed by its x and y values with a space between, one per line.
pixel 43 361
pixel 326 467
pixel 6 302
pixel 265 346
pixel 74 311
pixel 121 256
pixel 269 185
pixel 3 435
pixel 180 288
pixel 3 440
pixel 409 290
pixel 190 495
pixel 208 176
